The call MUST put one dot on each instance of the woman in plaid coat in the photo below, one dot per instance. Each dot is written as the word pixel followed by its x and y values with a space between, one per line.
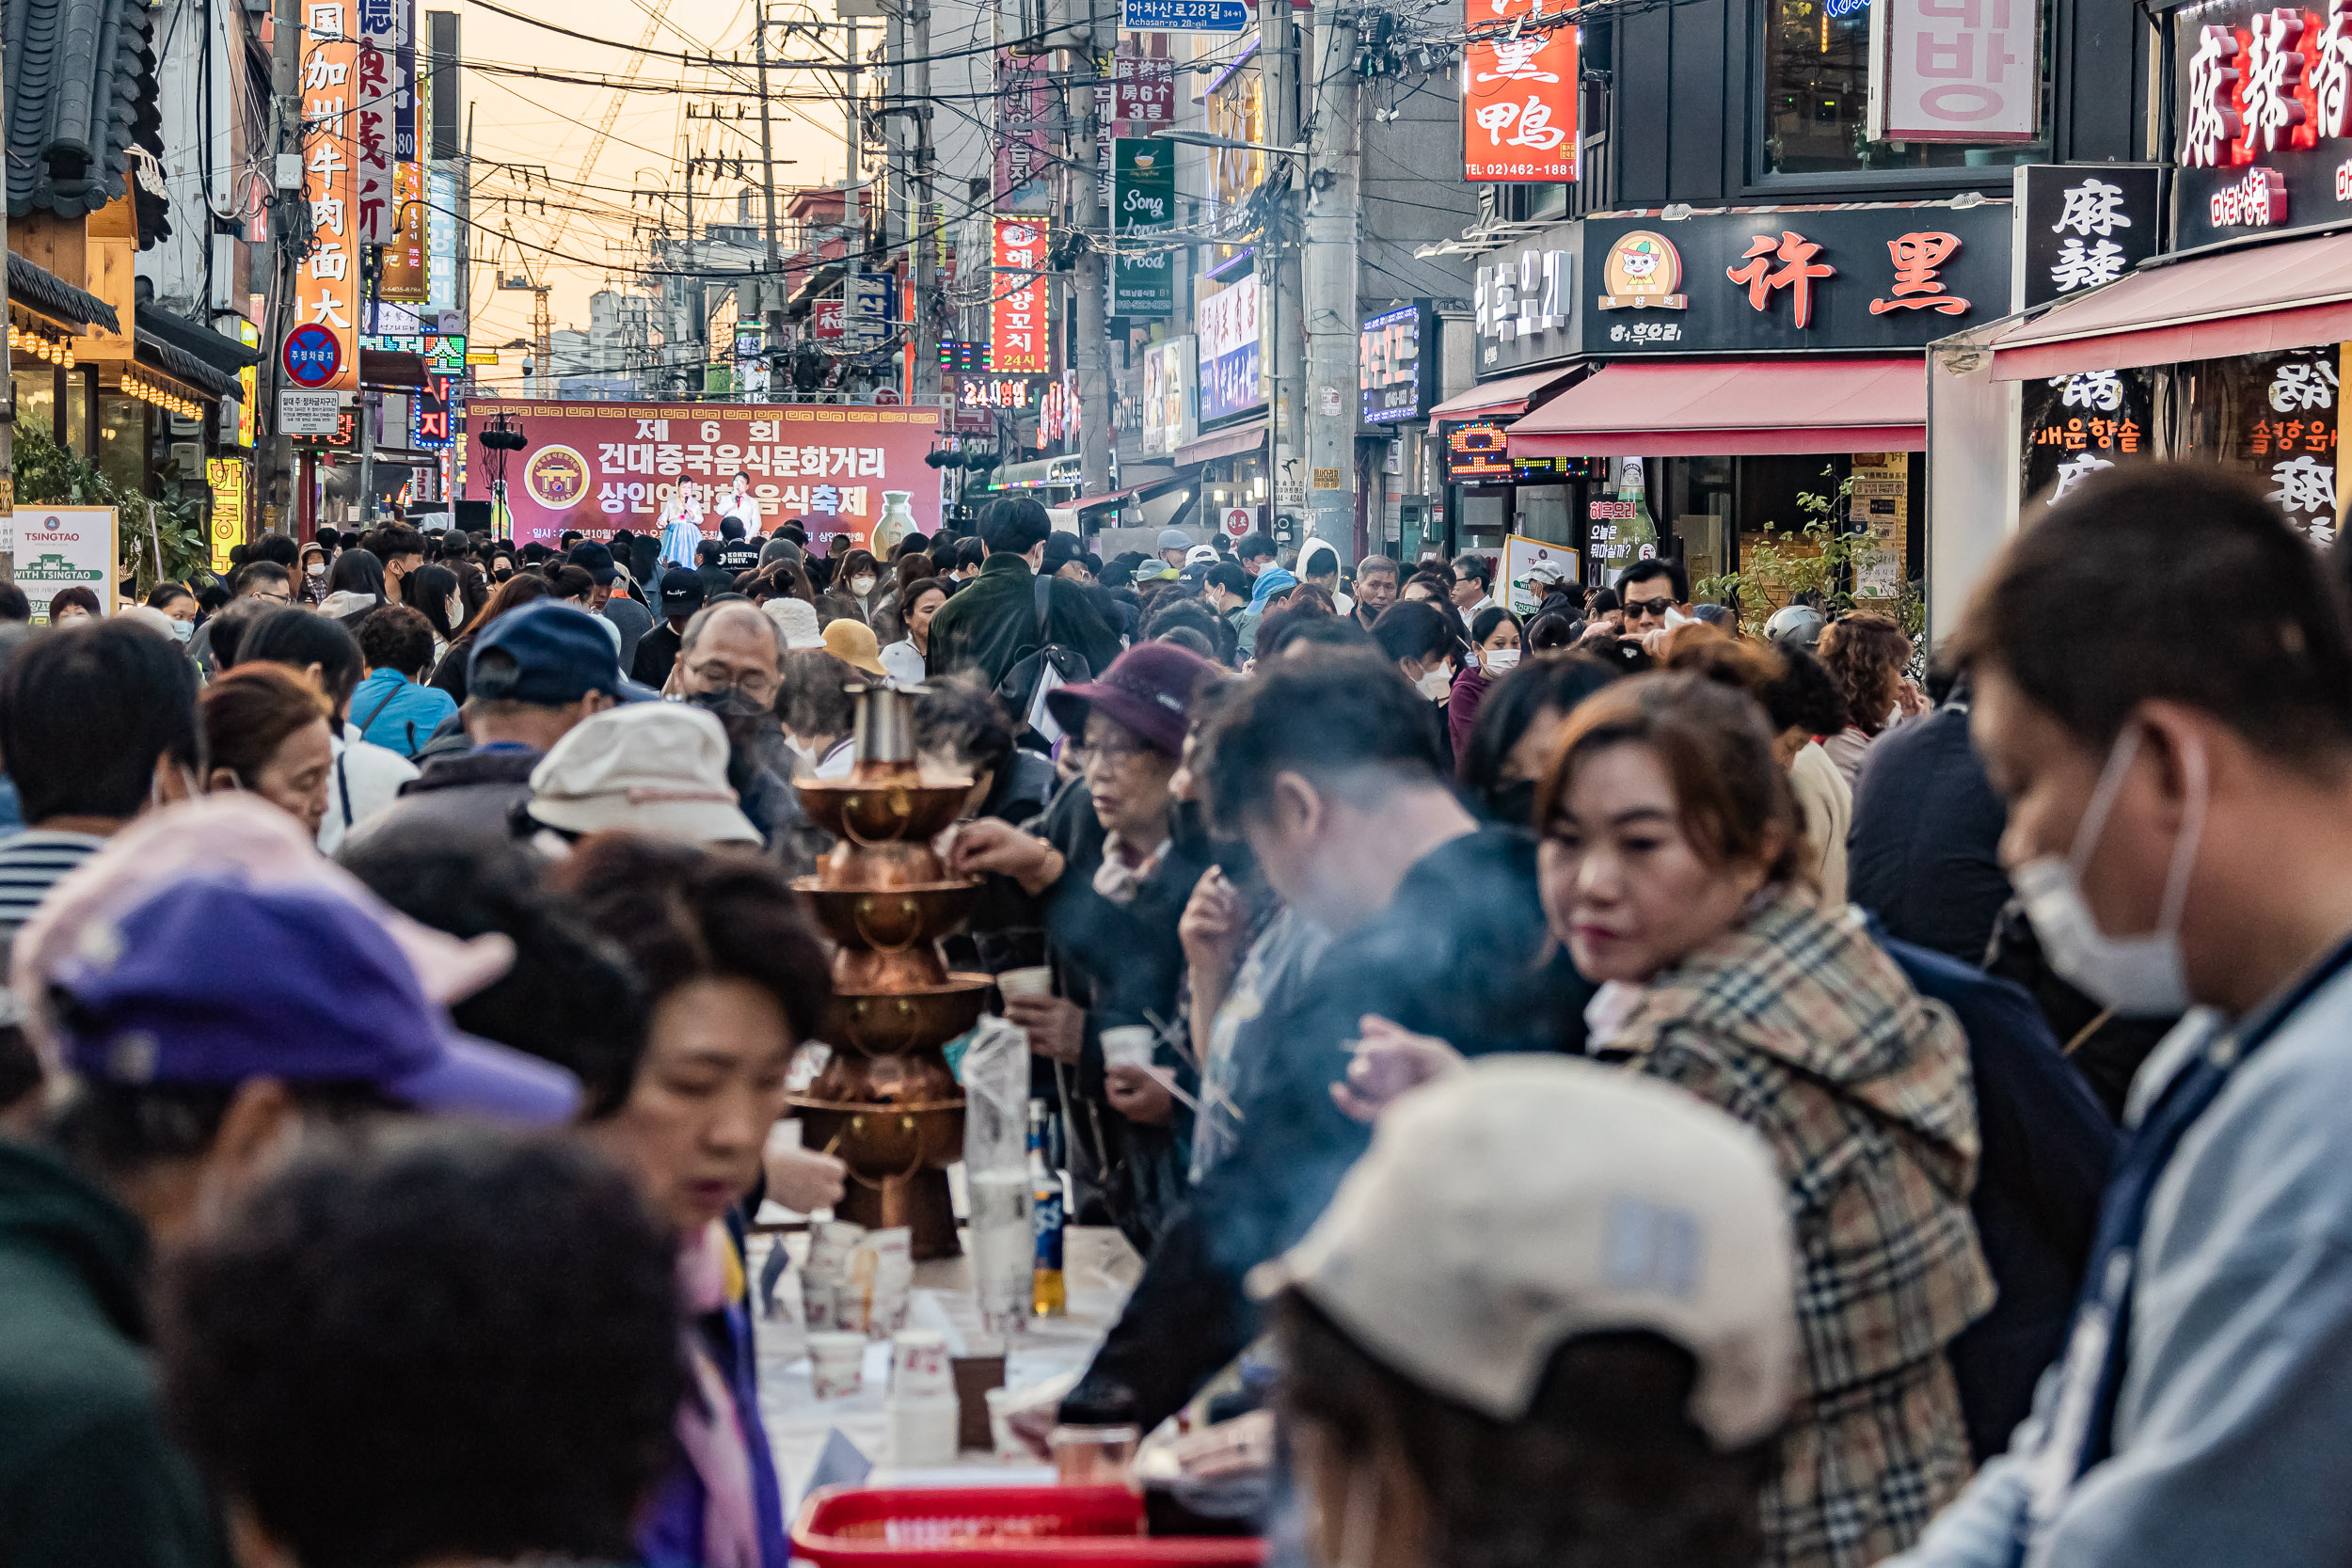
pixel 1672 865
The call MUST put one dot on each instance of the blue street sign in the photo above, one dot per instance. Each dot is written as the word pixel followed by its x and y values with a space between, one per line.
pixel 312 355
pixel 1188 16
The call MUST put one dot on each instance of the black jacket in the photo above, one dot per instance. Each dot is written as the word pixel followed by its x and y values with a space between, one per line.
pixel 1923 854
pixel 991 624
pixel 1461 953
pixel 657 656
pixel 468 799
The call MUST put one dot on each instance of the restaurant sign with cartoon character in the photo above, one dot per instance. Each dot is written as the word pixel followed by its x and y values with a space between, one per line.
pixel 1792 279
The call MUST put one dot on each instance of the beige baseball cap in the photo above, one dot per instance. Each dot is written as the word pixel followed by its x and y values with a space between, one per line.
pixel 647 768
pixel 1513 1206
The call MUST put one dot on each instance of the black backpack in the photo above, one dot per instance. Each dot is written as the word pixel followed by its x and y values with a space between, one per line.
pixel 1046 667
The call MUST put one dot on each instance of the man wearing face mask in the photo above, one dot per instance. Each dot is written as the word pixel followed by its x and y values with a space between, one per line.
pixel 2175 770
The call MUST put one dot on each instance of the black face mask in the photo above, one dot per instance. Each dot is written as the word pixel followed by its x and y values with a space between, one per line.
pixel 1513 803
pixel 504 572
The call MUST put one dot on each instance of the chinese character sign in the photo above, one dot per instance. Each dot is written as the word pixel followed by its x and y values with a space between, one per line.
pixel 328 280
pixel 1020 307
pixel 2263 107
pixel 2081 227
pixel 597 466
pixel 1955 71
pixel 378 89
pixel 1143 80
pixel 1227 325
pixel 1519 96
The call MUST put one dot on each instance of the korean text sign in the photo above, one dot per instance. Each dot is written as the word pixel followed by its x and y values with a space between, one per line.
pixel 2263 107
pixel 1854 277
pixel 1024 125
pixel 1393 365
pixel 1021 339
pixel 328 281
pixel 597 466
pixel 1227 325
pixel 1519 94
pixel 1961 70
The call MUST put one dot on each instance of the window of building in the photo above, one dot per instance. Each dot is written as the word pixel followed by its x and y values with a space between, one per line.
pixel 35 396
pixel 1817 98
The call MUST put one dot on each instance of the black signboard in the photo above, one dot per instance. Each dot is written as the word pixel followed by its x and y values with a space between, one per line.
pixel 2262 98
pixel 1397 363
pixel 2076 425
pixel 2082 224
pixel 1890 277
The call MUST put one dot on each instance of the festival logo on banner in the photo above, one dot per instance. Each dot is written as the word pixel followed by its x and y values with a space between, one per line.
pixel 1021 341
pixel 328 281
pixel 1520 93
pixel 599 466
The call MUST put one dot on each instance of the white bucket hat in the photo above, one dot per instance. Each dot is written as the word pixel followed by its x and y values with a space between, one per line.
pixel 649 767
pixel 1513 1206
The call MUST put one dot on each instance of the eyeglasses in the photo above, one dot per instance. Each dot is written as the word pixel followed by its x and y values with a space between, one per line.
pixel 1649 606
pixel 1113 753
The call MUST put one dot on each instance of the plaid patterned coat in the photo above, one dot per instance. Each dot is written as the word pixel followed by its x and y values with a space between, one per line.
pixel 1796 1022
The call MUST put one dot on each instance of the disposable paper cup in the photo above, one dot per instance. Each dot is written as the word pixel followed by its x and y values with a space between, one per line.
pixel 816 1299
pixel 922 1432
pixel 1003 1270
pixel 1001 1404
pixel 919 1366
pixel 1037 981
pixel 836 1364
pixel 1129 1045
pixel 829 1246
pixel 893 1282
pixel 1093 1456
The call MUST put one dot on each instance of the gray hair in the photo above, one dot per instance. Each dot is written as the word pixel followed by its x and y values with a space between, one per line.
pixel 703 616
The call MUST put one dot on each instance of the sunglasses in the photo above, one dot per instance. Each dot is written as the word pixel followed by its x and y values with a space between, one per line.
pixel 1647 607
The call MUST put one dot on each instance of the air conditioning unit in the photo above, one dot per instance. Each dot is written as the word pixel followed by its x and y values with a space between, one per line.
pixel 189 455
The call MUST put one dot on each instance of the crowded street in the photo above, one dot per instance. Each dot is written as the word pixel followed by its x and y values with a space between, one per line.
pixel 745 819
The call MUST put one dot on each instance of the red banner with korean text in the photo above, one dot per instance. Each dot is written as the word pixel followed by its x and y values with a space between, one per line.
pixel 599 466
pixel 1520 93
pixel 328 280
pixel 1019 313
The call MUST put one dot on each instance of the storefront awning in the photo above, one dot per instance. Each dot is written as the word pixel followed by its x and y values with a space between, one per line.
pixel 36 288
pixel 2250 301
pixel 1733 408
pixel 1501 399
pixel 1242 437
pixel 1109 498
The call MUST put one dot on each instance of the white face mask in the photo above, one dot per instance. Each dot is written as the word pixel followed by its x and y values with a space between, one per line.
pixel 860 586
pixel 2141 976
pixel 184 629
pixel 1495 660
pixel 1434 682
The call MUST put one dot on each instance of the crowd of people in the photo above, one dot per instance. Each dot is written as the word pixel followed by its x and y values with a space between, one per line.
pixel 1626 1086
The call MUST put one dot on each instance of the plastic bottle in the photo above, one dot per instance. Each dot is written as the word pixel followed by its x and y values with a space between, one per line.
pixel 1048 1294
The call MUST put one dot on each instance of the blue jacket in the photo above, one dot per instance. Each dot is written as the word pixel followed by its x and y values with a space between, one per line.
pixel 2234 1416
pixel 2046 1147
pixel 671 1533
pixel 392 711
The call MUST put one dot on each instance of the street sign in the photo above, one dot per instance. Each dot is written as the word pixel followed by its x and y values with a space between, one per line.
pixel 1188 16
pixel 1238 521
pixel 313 355
pixel 301 413
pixel 865 315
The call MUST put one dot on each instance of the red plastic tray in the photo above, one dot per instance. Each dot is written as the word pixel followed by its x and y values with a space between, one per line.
pixel 995 1527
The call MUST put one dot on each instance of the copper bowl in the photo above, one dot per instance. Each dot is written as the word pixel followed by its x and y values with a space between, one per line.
pixel 870 868
pixel 908 1021
pixel 890 918
pixel 870 814
pixel 880 1142
pixel 892 972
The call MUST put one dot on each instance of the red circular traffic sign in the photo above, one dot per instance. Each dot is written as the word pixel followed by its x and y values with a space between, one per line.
pixel 312 355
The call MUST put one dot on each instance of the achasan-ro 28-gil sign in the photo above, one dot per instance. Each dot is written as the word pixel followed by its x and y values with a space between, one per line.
pixel 1520 93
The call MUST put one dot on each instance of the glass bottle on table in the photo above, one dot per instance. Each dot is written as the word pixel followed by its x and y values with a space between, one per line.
pixel 1049 1295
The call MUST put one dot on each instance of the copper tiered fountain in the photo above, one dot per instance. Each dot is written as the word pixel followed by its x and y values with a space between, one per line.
pixel 885 1103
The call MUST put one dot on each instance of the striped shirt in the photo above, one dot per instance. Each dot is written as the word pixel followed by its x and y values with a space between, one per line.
pixel 32 862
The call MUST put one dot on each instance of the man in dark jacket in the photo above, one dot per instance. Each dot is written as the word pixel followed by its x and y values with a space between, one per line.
pixel 993 623
pixel 1441 932
pixel 657 650
pixel 1923 853
pixel 533 673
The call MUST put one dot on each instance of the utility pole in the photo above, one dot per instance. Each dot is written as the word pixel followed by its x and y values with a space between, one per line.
pixel 926 380
pixel 1094 380
pixel 1278 263
pixel 280 506
pixel 772 289
pixel 1333 331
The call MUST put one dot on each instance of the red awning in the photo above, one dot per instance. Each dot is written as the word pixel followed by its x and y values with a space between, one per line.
pixel 2250 301
pixel 1733 408
pixel 1503 399
pixel 1085 502
pixel 1246 437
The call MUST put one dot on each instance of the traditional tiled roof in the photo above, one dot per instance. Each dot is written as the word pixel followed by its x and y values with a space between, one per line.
pixel 81 93
pixel 39 289
pixel 184 366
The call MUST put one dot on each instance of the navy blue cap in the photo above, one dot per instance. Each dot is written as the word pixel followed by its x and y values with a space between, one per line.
pixel 595 559
pixel 547 653
pixel 211 979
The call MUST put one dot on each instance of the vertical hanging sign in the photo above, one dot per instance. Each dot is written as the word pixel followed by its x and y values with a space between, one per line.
pixel 376 106
pixel 1025 114
pixel 326 281
pixel 1143 202
pixel 1020 318
pixel 1519 94
pixel 404 275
